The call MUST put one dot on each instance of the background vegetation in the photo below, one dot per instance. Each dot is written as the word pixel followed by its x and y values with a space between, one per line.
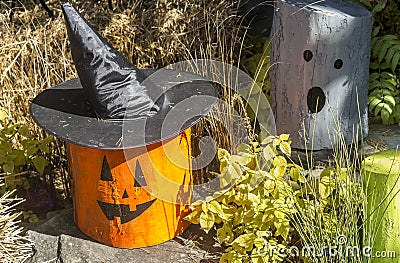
pixel 384 84
pixel 268 204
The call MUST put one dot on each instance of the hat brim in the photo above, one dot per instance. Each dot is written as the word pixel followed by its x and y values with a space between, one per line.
pixel 62 112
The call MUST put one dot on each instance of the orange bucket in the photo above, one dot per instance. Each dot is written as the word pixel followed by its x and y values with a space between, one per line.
pixel 112 192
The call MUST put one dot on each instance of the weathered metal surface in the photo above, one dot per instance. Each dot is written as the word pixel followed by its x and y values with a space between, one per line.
pixel 319 77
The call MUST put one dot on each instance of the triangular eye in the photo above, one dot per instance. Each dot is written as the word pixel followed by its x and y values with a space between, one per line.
pixel 139 176
pixel 105 171
pixel 125 195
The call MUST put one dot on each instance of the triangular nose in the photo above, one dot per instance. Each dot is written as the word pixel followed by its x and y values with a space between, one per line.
pixel 111 83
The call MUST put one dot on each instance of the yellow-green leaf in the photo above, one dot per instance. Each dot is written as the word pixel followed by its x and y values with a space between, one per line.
pixel 194 217
pixel 242 159
pixel 284 137
pixel 325 188
pixel 48 139
pixel 3 114
pixel 6 147
pixel 8 167
pixel 20 157
pixel 225 234
pixel 279 161
pixel 279 214
pixel 216 208
pixel 246 241
pixel 285 148
pixel 254 199
pixel 279 171
pixel 43 147
pixel 395 61
pixel 207 221
pixel 31 150
pixel 24 131
pixel 376 31
pixel 223 154
pixel 269 152
pixel 40 163
pixel 269 185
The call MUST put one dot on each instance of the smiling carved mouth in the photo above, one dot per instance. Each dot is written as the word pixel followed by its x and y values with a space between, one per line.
pixel 122 211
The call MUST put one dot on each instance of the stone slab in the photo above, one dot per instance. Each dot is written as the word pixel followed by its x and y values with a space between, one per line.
pixel 59 240
pixel 46 247
pixel 380 138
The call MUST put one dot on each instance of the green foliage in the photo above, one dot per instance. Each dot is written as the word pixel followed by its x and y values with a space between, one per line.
pixel 252 216
pixel 386 15
pixel 258 64
pixel 389 18
pixel 18 151
pixel 29 216
pixel 383 98
pixel 385 51
pixel 273 205
pixel 28 151
pixel 327 214
pixel 374 6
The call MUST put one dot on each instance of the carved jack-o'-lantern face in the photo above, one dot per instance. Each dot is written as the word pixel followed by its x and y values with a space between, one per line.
pixel 117 194
pixel 121 207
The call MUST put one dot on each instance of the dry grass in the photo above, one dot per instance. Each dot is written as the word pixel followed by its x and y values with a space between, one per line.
pixel 34 49
pixel 13 246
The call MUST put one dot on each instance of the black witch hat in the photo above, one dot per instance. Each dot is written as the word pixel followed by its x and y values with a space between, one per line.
pixel 113 105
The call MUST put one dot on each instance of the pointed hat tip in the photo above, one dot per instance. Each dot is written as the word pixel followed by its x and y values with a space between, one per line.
pixel 112 83
pixel 65 6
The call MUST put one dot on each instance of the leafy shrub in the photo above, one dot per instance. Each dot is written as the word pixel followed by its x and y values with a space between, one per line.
pixel 383 99
pixel 254 214
pixel 18 151
pixel 257 65
pixel 274 208
pixel 12 158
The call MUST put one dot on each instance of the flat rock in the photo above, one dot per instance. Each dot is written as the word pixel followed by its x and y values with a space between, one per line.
pixel 76 250
pixel 383 137
pixel 380 138
pixel 59 240
pixel 46 247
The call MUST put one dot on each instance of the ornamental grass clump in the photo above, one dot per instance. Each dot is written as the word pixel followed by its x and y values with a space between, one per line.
pixel 329 212
pixel 273 210
pixel 14 247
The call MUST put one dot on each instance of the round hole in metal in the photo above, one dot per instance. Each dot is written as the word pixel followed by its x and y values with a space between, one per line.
pixel 315 99
pixel 338 64
pixel 307 55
